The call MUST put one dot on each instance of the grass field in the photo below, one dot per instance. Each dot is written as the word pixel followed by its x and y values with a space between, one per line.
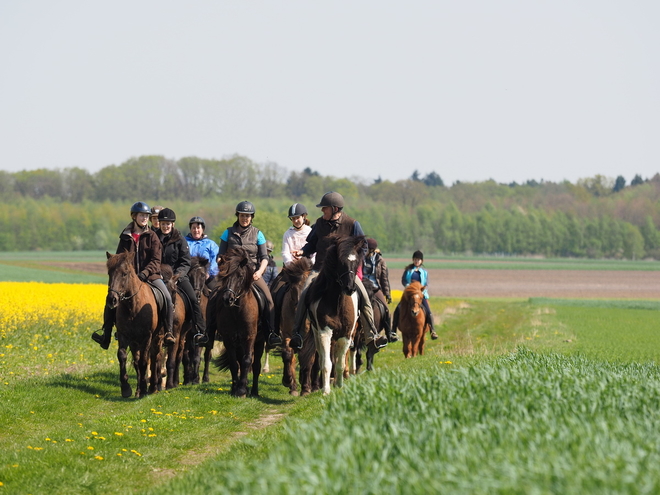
pixel 538 396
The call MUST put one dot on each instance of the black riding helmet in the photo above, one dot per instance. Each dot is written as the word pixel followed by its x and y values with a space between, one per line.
pixel 419 255
pixel 166 215
pixel 245 207
pixel 297 210
pixel 198 220
pixel 332 199
pixel 141 207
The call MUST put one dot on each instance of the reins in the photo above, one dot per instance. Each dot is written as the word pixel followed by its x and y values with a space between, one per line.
pixel 122 295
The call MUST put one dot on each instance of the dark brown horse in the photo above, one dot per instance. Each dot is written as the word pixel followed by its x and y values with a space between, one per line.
pixel 412 320
pixel 379 322
pixel 137 322
pixel 191 353
pixel 294 276
pixel 236 315
pixel 332 303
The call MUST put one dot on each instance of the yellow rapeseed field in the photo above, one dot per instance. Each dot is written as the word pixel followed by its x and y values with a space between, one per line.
pixel 46 326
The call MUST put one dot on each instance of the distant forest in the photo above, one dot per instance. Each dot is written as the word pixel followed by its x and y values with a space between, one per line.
pixel 598 217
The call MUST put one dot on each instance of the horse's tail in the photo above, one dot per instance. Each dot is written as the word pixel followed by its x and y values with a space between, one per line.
pixel 221 362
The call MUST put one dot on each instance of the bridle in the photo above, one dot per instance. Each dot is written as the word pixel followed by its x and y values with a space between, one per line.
pixel 234 299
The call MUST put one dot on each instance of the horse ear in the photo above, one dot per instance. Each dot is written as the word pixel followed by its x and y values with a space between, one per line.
pixel 108 255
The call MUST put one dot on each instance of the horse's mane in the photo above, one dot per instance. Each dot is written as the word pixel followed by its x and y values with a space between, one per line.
pixel 340 248
pixel 116 260
pixel 413 287
pixel 235 263
pixel 295 271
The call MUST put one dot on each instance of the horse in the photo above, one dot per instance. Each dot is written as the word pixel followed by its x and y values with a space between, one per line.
pixel 412 320
pixel 294 276
pixel 333 305
pixel 138 326
pixel 235 311
pixel 192 353
pixel 380 322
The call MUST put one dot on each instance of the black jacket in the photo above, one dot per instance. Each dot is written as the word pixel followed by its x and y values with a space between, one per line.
pixel 175 252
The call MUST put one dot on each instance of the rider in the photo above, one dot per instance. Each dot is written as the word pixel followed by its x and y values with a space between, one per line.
pixel 139 239
pixel 271 271
pixel 375 269
pixel 332 221
pixel 296 236
pixel 243 233
pixel 176 254
pixel 202 245
pixel 416 272
pixel 153 218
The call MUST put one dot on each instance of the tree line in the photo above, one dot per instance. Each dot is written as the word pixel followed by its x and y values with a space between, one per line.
pixel 597 217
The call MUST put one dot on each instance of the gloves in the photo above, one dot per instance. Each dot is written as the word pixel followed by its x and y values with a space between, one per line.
pixel 142 277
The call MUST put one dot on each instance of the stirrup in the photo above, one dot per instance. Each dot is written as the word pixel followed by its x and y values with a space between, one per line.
pixel 296 341
pixel 100 339
pixel 434 335
pixel 169 338
pixel 380 342
pixel 274 339
pixel 200 338
pixel 393 337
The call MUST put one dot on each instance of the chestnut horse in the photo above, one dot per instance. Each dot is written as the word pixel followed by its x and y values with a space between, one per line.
pixel 412 320
pixel 138 325
pixel 294 276
pixel 236 318
pixel 332 303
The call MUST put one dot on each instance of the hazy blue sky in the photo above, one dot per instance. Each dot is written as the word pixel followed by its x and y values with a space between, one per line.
pixel 509 89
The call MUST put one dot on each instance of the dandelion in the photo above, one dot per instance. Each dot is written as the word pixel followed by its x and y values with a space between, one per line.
pixel 98 457
pixel 95 433
pixel 119 434
pixel 68 440
pixel 90 448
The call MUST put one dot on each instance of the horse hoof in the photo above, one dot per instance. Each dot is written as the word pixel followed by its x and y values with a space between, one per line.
pixel 126 391
pixel 294 393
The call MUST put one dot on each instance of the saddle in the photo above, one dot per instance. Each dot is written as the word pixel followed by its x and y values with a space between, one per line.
pixel 160 299
pixel 260 297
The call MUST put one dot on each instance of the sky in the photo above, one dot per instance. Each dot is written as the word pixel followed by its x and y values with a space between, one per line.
pixel 510 90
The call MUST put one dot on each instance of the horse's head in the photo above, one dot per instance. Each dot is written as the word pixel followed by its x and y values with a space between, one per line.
pixel 198 273
pixel 122 280
pixel 414 295
pixel 235 276
pixel 343 259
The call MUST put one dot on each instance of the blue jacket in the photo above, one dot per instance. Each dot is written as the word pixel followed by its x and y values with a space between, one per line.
pixel 407 278
pixel 206 248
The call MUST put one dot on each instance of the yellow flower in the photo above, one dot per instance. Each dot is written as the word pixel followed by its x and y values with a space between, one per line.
pixel 119 434
pixel 90 448
pixel 98 457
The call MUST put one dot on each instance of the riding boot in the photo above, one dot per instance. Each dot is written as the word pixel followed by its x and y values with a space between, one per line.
pixel 391 332
pixel 395 319
pixel 429 322
pixel 103 339
pixel 278 299
pixel 167 310
pixel 200 337
pixel 268 321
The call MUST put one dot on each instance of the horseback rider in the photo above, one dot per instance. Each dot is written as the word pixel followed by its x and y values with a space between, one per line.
pixel 375 270
pixel 416 272
pixel 332 221
pixel 138 238
pixel 203 246
pixel 271 271
pixel 244 234
pixel 153 218
pixel 176 253
pixel 296 236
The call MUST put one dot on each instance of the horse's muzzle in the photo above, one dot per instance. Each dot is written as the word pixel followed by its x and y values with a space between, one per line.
pixel 112 300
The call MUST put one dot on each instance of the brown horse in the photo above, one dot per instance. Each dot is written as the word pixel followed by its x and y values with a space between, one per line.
pixel 137 322
pixel 379 322
pixel 236 315
pixel 294 276
pixel 191 353
pixel 333 306
pixel 412 320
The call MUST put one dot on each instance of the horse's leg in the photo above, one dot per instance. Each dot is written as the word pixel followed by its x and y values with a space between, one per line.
pixel 266 367
pixel 352 360
pixel 245 366
pixel 371 352
pixel 256 368
pixel 207 363
pixel 323 339
pixel 341 352
pixel 140 365
pixel 122 355
pixel 170 364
